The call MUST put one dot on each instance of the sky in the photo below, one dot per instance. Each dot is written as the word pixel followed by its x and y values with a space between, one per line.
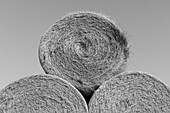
pixel 23 22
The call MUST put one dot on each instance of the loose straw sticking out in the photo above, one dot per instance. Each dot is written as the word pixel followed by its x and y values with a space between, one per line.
pixel 85 48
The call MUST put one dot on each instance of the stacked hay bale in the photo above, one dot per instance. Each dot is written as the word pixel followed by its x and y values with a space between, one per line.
pixel 41 94
pixel 132 92
pixel 84 56
pixel 86 49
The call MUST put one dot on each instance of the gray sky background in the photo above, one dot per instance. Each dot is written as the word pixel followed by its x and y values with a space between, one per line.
pixel 23 22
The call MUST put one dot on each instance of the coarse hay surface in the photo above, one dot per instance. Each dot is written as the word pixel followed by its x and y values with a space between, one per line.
pixel 132 92
pixel 41 94
pixel 85 48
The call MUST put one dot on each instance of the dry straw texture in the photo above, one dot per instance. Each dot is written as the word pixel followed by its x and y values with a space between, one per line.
pixel 85 48
pixel 41 94
pixel 133 92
